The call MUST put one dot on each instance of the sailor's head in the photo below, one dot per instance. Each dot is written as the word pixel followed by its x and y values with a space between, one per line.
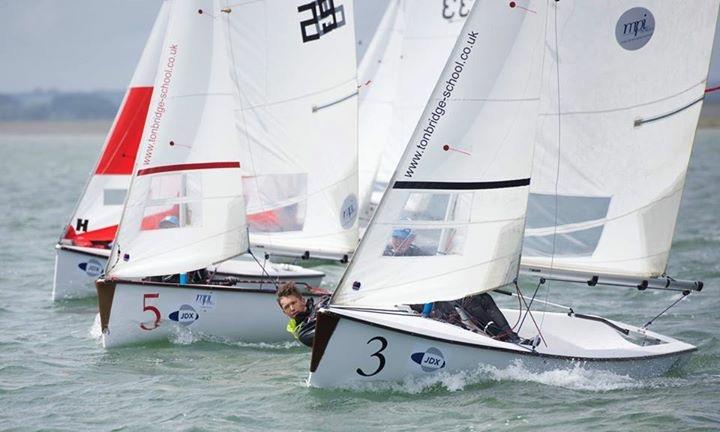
pixel 169 221
pixel 290 300
pixel 402 239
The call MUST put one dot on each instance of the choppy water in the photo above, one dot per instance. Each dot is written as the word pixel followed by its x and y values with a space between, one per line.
pixel 55 376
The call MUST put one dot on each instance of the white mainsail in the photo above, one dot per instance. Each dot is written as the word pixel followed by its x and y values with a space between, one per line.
pixel 397 75
pixel 469 163
pixel 623 88
pixel 296 114
pixel 185 208
pixel 97 213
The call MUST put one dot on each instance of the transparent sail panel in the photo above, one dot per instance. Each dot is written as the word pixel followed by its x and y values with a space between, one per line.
pixel 114 196
pixel 409 242
pixel 276 202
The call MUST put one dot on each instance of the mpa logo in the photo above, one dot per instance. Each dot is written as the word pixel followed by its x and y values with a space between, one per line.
pixel 186 315
pixel 635 28
pixel 430 360
pixel 92 268
pixel 205 301
pixel 349 211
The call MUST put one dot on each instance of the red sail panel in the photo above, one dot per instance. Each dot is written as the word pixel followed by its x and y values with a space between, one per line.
pixel 122 147
pixel 96 238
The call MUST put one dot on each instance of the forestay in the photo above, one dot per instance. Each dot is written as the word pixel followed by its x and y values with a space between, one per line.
pixel 461 187
pixel 623 88
pixel 397 75
pixel 94 221
pixel 185 207
pixel 296 113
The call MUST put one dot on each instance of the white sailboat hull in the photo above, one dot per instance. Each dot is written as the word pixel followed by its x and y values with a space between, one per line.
pixel 139 312
pixel 77 269
pixel 355 346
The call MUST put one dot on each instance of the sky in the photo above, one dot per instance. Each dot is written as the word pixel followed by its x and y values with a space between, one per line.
pixel 85 45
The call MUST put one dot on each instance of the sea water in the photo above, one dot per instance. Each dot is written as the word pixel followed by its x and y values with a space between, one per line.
pixel 54 375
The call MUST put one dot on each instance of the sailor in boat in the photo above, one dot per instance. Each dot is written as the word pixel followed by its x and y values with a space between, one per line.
pixel 477 313
pixel 302 313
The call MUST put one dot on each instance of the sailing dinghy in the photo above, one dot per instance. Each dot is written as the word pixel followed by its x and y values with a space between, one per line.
pixel 83 250
pixel 191 162
pixel 475 164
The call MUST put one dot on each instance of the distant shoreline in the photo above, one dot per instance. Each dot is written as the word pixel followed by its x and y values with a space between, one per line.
pixel 75 127
pixel 101 127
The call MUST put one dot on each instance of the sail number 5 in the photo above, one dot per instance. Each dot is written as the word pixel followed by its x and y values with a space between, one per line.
pixel 380 357
pixel 150 308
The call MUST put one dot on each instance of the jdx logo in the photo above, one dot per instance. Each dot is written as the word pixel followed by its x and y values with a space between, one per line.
pixel 635 28
pixel 325 18
pixel 186 315
pixel 92 268
pixel 430 360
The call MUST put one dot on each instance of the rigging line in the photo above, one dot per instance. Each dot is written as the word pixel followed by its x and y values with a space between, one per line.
pixel 557 173
pixel 273 281
pixel 531 317
pixel 684 296
pixel 712 89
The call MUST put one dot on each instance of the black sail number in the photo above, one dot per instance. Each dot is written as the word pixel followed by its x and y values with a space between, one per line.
pixel 380 357
pixel 451 6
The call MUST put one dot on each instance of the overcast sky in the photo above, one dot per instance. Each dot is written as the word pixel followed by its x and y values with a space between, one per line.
pixel 82 45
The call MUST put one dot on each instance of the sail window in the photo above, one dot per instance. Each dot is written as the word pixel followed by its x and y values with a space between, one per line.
pixel 448 207
pixel 114 197
pixel 542 211
pixel 577 243
pixel 174 201
pixel 406 241
pixel 276 202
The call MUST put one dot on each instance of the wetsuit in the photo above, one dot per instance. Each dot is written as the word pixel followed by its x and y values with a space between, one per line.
pixel 482 311
pixel 302 327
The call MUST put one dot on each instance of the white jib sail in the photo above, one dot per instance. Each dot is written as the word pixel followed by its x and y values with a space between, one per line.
pixel 296 113
pixel 459 194
pixel 185 208
pixel 94 221
pixel 623 88
pixel 396 76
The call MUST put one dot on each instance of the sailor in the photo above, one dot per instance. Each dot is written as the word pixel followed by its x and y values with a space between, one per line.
pixel 478 312
pixel 302 313
pixel 401 244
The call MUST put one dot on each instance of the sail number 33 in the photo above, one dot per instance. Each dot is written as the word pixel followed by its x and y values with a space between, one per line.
pixel 456 8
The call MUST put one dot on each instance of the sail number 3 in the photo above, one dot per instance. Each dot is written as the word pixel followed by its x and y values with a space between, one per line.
pixel 380 357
